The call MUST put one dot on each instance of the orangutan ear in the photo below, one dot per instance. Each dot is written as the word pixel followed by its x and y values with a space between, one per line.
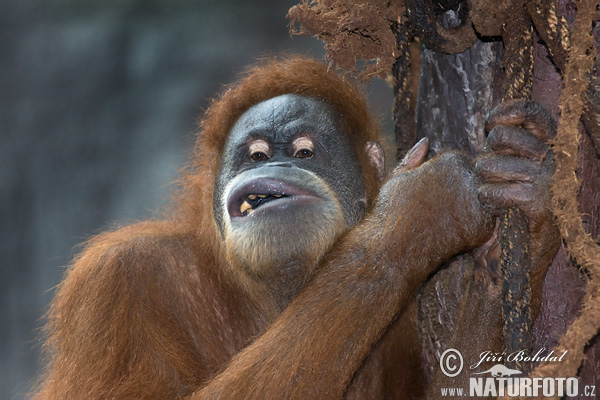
pixel 376 158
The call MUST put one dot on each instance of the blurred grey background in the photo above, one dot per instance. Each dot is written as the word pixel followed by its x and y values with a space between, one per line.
pixel 98 107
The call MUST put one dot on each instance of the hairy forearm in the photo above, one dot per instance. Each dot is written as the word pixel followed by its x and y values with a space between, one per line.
pixel 314 347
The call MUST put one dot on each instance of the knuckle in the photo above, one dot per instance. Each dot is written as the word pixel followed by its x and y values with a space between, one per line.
pixel 481 164
pixel 486 159
pixel 495 136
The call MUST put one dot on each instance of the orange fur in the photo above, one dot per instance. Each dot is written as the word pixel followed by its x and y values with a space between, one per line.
pixel 154 310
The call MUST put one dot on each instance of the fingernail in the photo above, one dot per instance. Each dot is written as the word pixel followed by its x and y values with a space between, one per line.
pixel 416 146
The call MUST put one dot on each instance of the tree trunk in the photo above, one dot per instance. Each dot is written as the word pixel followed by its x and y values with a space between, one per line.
pixel 455 94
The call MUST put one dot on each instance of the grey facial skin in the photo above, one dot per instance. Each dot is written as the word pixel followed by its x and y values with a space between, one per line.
pixel 278 122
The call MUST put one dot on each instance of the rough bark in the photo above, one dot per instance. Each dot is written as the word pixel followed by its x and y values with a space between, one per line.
pixel 455 94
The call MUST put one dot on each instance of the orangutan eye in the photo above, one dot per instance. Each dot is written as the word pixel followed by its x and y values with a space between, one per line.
pixel 259 150
pixel 303 147
pixel 304 153
pixel 258 156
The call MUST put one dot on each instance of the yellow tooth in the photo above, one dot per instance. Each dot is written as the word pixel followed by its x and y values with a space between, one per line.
pixel 245 206
pixel 252 197
pixel 277 195
pixel 250 211
pixel 262 196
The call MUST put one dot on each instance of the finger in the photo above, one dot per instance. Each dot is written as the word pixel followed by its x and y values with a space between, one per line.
pixel 513 141
pixel 525 113
pixel 494 169
pixel 505 195
pixel 415 156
